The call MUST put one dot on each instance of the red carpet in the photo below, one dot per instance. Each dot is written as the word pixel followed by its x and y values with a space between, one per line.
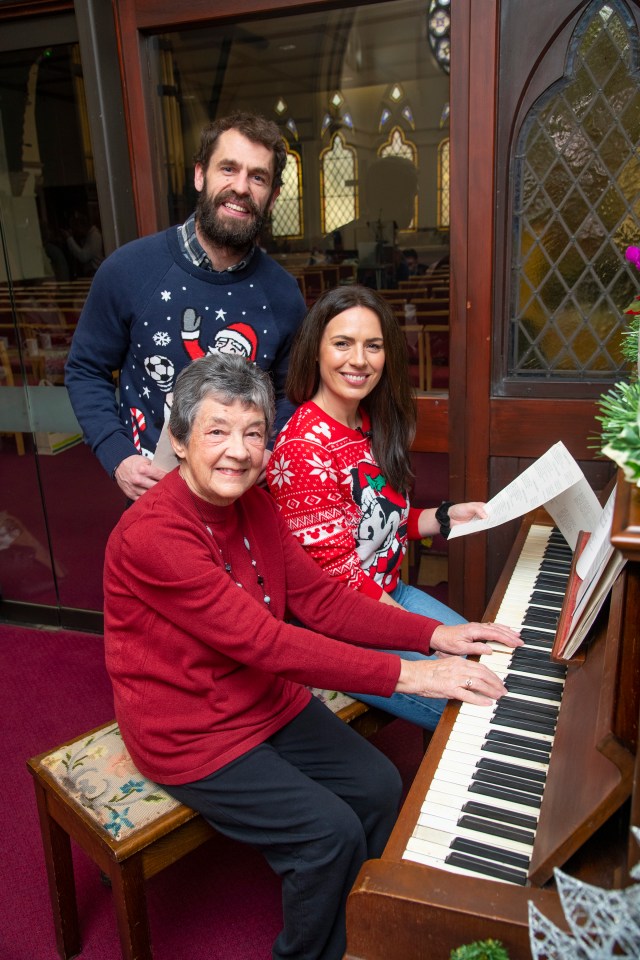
pixel 221 902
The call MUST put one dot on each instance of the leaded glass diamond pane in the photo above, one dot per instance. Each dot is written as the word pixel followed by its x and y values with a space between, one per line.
pixel 577 207
pixel 286 219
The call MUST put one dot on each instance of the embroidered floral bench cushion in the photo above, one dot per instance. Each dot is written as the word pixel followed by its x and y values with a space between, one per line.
pixel 98 773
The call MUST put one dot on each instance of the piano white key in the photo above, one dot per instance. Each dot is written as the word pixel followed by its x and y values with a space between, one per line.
pixel 462 754
pixel 443 834
pixel 418 852
pixel 440 791
pixel 468 725
pixel 419 857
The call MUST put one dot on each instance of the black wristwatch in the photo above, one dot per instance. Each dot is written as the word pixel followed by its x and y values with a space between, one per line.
pixel 442 516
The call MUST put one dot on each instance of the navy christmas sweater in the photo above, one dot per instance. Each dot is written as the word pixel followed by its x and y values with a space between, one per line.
pixel 149 312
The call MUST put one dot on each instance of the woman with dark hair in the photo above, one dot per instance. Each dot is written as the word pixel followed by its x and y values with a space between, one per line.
pixel 340 469
pixel 210 681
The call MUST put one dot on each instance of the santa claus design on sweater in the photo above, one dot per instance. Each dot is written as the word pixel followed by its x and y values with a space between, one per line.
pixel 237 338
pixel 377 541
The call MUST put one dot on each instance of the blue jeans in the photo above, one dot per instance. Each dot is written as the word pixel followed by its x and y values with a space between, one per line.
pixel 423 711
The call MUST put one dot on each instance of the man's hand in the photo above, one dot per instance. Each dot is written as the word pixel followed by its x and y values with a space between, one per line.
pixel 136 474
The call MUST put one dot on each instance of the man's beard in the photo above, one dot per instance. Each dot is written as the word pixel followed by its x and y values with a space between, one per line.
pixel 228 233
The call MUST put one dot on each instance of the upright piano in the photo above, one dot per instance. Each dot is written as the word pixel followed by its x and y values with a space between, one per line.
pixel 448 877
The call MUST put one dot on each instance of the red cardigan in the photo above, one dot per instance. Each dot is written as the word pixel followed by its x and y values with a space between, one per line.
pixel 204 670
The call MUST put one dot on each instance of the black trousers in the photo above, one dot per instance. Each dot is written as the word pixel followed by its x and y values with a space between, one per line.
pixel 318 800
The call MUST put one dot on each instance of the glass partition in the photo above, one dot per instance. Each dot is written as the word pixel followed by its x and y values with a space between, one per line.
pixel 56 505
pixel 362 102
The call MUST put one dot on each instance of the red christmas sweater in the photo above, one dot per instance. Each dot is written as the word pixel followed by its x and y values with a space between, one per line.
pixel 203 669
pixel 337 503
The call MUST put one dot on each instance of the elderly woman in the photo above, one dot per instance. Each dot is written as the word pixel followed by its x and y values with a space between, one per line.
pixel 210 680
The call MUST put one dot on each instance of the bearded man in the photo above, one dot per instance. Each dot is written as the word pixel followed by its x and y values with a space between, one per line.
pixel 159 301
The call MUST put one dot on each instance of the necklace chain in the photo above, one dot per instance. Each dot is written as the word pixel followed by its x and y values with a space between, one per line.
pixel 227 564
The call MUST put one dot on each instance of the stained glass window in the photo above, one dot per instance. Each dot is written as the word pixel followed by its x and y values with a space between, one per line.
pixel 443 185
pixel 286 217
pixel 338 178
pixel 577 207
pixel 398 146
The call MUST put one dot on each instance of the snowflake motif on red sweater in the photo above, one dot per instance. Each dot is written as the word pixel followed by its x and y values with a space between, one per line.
pixel 336 501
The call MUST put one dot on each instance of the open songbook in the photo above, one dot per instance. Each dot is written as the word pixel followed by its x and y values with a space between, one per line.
pixel 556 482
pixel 596 565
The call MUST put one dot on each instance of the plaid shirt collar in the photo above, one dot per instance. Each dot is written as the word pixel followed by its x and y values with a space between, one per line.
pixel 194 251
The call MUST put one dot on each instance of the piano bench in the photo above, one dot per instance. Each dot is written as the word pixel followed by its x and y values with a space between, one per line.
pixel 89 791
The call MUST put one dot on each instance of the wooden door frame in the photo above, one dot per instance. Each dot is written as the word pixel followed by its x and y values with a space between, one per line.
pixel 473 117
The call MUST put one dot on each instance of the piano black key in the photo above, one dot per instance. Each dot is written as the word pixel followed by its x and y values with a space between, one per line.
pixel 504 793
pixel 512 705
pixel 515 818
pixel 503 780
pixel 505 737
pixel 520 723
pixel 522 753
pixel 493 829
pixel 536 617
pixel 556 583
pixel 511 768
pixel 487 869
pixel 537 667
pixel 546 599
pixel 528 655
pixel 542 639
pixel 535 636
pixel 491 852
pixel 532 686
pixel 552 562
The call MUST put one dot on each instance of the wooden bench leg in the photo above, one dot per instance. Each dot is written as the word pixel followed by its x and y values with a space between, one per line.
pixel 130 901
pixel 62 889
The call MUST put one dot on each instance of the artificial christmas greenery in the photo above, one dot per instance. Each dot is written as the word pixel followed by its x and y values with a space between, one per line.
pixel 480 950
pixel 620 406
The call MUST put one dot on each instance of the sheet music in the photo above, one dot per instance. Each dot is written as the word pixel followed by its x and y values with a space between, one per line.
pixel 598 548
pixel 554 481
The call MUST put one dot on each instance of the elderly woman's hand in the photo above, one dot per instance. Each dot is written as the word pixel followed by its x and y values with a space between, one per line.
pixel 451 677
pixel 465 639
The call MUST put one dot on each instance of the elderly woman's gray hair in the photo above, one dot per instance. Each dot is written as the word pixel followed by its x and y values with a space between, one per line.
pixel 227 377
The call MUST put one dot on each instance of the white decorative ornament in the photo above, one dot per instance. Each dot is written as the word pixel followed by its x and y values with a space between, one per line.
pixel 604 924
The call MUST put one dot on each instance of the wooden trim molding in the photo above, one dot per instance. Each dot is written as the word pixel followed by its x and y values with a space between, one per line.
pixel 528 427
pixel 432 433
pixel 14 9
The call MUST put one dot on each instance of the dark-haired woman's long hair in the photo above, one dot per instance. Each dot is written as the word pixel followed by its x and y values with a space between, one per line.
pixel 390 405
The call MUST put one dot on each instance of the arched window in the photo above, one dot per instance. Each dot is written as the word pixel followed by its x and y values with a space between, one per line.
pixel 443 185
pixel 398 146
pixel 575 208
pixel 338 178
pixel 286 218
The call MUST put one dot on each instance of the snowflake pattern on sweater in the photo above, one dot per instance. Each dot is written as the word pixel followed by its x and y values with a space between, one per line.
pixel 337 502
pixel 149 313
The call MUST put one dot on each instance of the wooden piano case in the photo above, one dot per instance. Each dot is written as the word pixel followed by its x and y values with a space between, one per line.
pixel 400 910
